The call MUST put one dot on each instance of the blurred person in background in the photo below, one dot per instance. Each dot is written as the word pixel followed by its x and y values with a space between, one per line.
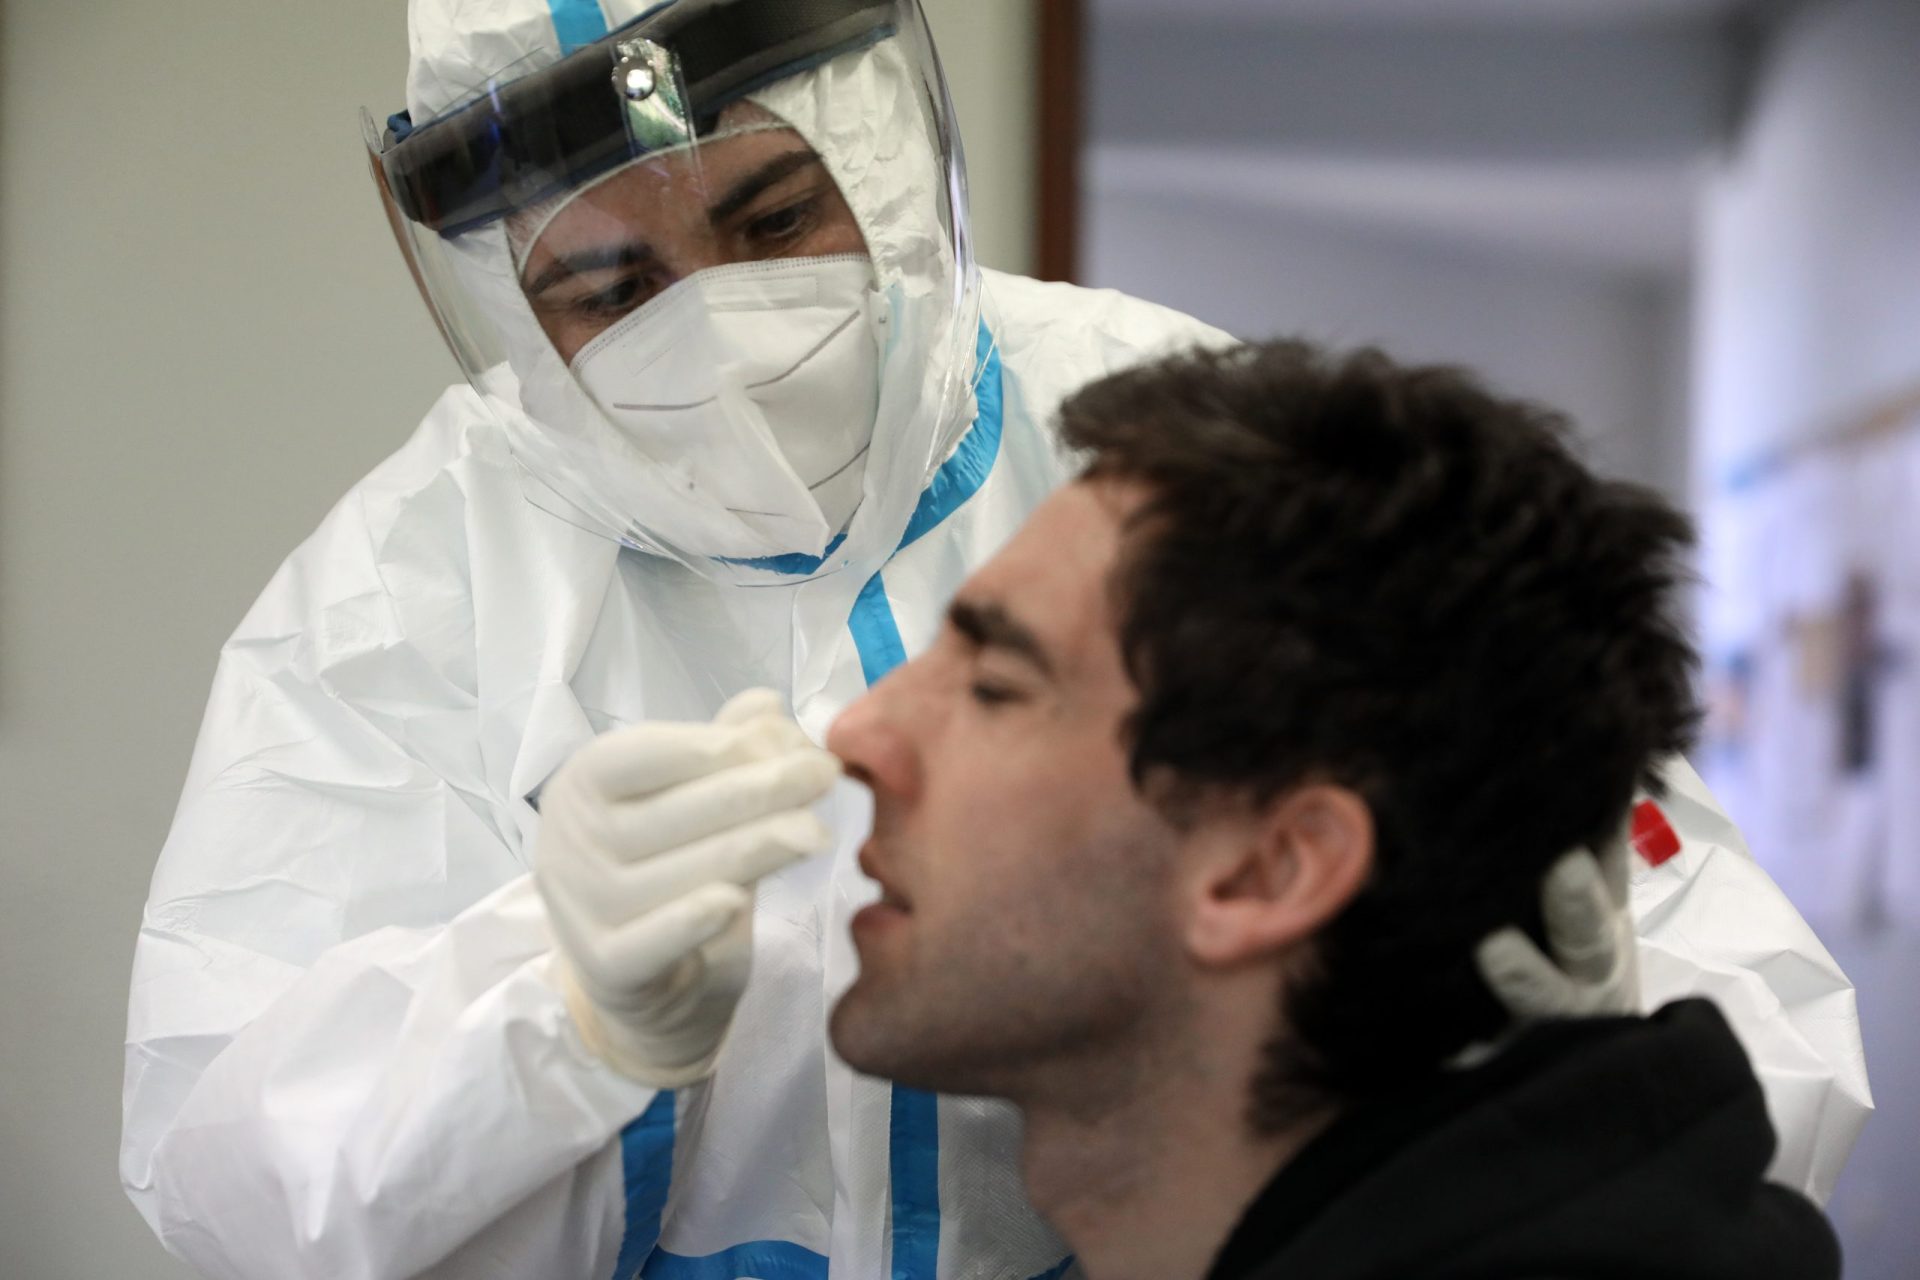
pixel 741 412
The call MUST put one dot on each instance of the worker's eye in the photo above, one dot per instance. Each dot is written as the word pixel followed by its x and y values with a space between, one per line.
pixel 779 228
pixel 616 298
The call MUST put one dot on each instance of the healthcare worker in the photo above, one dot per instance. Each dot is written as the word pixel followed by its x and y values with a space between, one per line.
pixel 741 412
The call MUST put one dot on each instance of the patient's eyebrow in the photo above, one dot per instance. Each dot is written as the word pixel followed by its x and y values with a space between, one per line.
pixel 989 626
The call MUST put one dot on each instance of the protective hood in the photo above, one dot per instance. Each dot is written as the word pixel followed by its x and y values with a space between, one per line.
pixel 868 98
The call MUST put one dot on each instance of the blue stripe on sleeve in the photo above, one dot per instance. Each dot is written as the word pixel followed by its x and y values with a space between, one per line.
pixel 577 23
pixel 646 1161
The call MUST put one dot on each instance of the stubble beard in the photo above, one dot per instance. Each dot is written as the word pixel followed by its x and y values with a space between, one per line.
pixel 1030 994
pixel 1001 1030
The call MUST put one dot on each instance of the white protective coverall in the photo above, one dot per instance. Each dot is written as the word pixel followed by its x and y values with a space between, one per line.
pixel 346 1052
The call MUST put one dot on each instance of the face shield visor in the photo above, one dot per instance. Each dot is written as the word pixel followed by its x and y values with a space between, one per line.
pixel 711 273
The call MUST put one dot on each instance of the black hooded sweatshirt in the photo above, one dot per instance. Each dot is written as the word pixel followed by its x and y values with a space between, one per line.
pixel 1601 1148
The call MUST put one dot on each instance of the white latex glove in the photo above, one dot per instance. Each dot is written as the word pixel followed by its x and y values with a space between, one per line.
pixel 1594 970
pixel 651 839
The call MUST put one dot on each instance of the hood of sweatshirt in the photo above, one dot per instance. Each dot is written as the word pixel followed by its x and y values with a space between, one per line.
pixel 1594 1148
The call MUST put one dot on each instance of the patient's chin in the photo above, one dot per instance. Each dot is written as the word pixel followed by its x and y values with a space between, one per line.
pixel 881 1033
pixel 865 1031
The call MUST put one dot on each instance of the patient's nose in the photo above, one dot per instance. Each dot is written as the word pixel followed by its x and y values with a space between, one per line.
pixel 872 744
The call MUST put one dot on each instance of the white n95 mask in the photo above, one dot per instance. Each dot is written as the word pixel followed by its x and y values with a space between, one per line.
pixel 758 382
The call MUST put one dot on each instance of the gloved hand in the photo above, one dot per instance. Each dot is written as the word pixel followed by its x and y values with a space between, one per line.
pixel 651 839
pixel 1595 969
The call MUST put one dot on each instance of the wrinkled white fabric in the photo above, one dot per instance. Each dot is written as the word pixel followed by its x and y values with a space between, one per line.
pixel 1712 923
pixel 456 48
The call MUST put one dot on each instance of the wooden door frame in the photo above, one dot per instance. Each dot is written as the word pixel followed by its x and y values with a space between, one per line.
pixel 1060 91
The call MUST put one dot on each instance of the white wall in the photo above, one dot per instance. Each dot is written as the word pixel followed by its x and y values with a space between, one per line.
pixel 989 52
pixel 1809 281
pixel 206 336
pixel 1607 347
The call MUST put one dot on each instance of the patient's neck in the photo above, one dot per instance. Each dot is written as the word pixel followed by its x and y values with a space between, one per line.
pixel 1147 1181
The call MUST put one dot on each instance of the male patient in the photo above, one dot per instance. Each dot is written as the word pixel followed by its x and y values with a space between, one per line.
pixel 1190 825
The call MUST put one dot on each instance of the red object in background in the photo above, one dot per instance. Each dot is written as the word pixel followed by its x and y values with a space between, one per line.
pixel 1653 836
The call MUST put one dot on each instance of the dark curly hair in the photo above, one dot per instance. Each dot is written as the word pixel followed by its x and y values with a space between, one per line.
pixel 1390 579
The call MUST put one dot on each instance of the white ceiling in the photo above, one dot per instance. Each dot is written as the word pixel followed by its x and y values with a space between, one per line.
pixel 1581 12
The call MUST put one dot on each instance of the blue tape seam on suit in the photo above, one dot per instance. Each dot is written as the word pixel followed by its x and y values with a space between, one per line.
pixel 913 1123
pixel 646 1163
pixel 914 1134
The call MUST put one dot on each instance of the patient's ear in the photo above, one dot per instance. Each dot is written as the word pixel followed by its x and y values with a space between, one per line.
pixel 1263 879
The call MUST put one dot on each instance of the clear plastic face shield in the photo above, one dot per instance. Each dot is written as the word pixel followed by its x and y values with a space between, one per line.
pixel 712 275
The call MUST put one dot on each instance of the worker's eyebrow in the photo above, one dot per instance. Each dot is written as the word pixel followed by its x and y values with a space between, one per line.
pixel 989 626
pixel 742 193
pixel 601 257
pixel 638 253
